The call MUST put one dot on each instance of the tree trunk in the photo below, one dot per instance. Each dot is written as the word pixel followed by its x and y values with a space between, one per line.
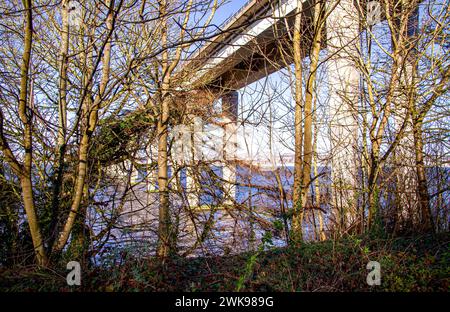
pixel 422 186
pixel 308 144
pixel 297 204
pixel 90 110
pixel 25 115
pixel 62 123
pixel 165 243
pixel 321 231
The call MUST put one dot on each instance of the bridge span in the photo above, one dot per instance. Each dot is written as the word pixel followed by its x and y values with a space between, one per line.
pixel 256 42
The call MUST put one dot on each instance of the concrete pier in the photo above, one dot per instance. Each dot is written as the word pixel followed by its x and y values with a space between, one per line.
pixel 230 102
pixel 343 79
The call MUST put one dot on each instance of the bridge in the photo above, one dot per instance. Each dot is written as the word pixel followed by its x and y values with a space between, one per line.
pixel 255 42
pixel 239 55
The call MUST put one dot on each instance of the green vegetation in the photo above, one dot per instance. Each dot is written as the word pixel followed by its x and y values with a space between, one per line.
pixel 407 264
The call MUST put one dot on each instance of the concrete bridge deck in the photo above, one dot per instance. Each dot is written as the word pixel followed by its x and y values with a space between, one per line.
pixel 247 47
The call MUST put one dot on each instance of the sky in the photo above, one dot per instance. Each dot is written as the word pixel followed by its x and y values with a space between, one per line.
pixel 227 9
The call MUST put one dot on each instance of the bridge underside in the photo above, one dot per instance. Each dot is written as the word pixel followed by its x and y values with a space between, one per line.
pixel 269 50
pixel 225 67
pixel 249 50
pixel 266 53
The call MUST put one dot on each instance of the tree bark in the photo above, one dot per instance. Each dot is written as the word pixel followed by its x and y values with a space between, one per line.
pixel 91 113
pixel 422 186
pixel 25 115
pixel 307 140
pixel 165 243
pixel 62 123
pixel 298 127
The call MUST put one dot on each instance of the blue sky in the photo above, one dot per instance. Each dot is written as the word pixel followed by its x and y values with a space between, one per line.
pixel 228 8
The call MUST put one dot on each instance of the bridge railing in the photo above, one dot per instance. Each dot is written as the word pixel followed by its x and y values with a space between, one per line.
pixel 231 17
pixel 225 23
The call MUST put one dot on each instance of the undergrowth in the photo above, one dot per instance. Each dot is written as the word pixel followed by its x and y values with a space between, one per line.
pixel 407 264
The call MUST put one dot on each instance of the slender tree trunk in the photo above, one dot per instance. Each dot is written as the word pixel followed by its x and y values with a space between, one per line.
pixel 167 235
pixel 62 123
pixel 298 127
pixel 321 231
pixel 25 114
pixel 422 187
pixel 91 113
pixel 165 243
pixel 78 192
pixel 308 144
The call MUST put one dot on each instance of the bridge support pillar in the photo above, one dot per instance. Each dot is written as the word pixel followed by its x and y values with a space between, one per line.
pixel 192 184
pixel 403 158
pixel 192 189
pixel 342 43
pixel 230 103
